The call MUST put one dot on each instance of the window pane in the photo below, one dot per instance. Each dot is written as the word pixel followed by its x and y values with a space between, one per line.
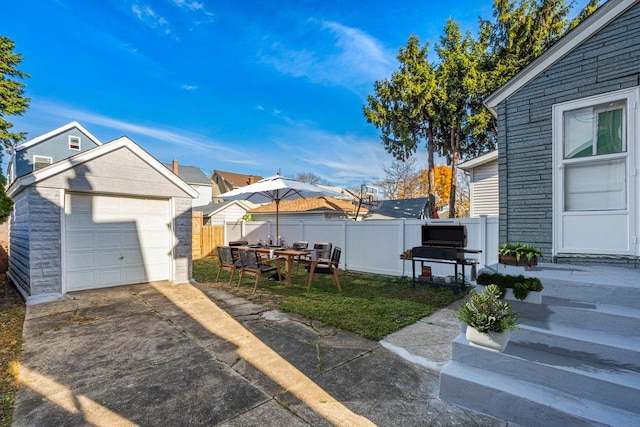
pixel 597 186
pixel 610 132
pixel 578 133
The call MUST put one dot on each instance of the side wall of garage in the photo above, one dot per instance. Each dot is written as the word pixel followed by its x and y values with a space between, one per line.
pixel 34 261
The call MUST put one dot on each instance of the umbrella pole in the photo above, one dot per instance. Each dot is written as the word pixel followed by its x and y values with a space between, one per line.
pixel 277 221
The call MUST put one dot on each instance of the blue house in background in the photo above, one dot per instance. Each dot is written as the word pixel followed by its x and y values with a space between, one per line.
pixel 52 147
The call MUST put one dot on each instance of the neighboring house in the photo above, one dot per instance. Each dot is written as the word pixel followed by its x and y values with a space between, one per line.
pixel 569 142
pixel 54 146
pixel 417 208
pixel 346 195
pixel 483 185
pixel 227 181
pixel 229 211
pixel 110 215
pixel 316 208
pixel 194 176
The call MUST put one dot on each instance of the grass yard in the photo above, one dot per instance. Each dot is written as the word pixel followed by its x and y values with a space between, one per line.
pixel 12 312
pixel 370 305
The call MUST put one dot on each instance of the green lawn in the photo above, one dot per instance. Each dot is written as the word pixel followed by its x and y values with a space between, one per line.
pixel 370 305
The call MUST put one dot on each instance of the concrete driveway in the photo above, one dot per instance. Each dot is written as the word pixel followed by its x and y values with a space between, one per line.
pixel 162 355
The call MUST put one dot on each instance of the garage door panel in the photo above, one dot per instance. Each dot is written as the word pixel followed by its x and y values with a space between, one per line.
pixel 115 241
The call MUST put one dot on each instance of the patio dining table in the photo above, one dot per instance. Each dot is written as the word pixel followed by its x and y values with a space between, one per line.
pixel 287 254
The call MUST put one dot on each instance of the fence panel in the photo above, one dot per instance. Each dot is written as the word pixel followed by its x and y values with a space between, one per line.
pixel 212 237
pixel 374 246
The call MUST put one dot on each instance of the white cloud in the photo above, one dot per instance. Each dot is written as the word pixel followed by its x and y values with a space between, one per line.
pixel 355 59
pixel 189 87
pixel 150 18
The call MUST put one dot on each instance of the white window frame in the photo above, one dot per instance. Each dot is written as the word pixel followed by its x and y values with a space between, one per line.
pixel 72 144
pixel 632 121
pixel 41 158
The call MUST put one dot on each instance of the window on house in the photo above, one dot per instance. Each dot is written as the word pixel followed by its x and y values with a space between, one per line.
pixel 40 162
pixel 74 142
pixel 594 156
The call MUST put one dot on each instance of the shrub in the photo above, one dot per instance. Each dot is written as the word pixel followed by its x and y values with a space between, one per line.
pixel 486 312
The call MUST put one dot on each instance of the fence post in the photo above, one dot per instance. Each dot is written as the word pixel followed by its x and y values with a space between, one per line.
pixel 484 244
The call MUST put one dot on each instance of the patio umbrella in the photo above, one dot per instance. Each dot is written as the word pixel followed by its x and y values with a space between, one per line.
pixel 274 189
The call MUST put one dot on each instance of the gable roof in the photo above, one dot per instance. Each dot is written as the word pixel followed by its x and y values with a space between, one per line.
pixel 191 174
pixel 213 207
pixel 58 167
pixel 58 131
pixel 587 28
pixel 312 204
pixel 479 161
pixel 236 179
pixel 402 208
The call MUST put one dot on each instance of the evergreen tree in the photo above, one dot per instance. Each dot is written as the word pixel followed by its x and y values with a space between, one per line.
pixel 12 102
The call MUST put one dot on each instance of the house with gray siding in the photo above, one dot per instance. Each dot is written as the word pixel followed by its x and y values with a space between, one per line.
pixel 54 146
pixel 110 215
pixel 483 184
pixel 569 143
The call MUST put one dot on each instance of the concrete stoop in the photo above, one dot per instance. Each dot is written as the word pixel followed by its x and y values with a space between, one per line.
pixel 575 361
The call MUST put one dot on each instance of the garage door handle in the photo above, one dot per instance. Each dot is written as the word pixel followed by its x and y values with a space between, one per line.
pixel 122 257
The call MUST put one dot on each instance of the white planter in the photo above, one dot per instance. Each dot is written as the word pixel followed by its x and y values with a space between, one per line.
pixel 532 297
pixel 492 341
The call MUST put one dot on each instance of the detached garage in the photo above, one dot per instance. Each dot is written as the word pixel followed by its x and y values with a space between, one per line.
pixel 112 215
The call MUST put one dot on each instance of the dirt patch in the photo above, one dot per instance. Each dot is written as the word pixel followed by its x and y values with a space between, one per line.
pixel 12 311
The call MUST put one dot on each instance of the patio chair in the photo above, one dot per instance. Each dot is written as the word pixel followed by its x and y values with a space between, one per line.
pixel 323 251
pixel 227 262
pixel 300 245
pixel 252 264
pixel 327 266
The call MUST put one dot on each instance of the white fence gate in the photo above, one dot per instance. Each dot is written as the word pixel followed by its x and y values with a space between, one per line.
pixel 374 246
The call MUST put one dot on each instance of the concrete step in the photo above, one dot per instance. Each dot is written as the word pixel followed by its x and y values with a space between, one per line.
pixel 523 402
pixel 621 320
pixel 588 378
pixel 579 343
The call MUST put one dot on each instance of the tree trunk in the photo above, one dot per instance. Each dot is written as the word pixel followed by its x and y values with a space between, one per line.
pixel 455 155
pixel 431 184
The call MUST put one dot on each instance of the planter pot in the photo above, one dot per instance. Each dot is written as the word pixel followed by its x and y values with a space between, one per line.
pixel 533 297
pixel 492 341
pixel 511 260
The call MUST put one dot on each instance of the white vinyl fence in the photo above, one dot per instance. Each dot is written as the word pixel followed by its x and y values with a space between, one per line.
pixel 374 246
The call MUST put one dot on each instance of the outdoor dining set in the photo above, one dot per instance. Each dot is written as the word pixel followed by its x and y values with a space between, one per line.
pixel 260 259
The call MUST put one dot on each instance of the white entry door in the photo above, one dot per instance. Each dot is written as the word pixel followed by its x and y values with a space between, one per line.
pixel 112 240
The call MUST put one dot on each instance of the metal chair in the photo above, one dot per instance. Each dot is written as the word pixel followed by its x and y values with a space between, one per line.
pixel 327 266
pixel 300 245
pixel 323 251
pixel 227 262
pixel 252 264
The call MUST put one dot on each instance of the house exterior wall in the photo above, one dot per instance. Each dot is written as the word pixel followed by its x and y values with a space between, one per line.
pixel 606 62
pixel 484 190
pixel 34 241
pixel 56 147
pixel 204 197
pixel 230 213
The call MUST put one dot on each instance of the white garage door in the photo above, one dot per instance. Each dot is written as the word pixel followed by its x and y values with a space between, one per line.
pixel 112 241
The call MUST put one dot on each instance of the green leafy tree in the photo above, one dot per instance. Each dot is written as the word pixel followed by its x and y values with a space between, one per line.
pixel 12 102
pixel 458 92
pixel 403 107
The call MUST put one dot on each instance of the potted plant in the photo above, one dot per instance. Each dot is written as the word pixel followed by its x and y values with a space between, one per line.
pixel 523 254
pixel 527 289
pixel 489 319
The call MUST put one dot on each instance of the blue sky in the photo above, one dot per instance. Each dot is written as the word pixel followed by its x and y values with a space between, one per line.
pixel 241 86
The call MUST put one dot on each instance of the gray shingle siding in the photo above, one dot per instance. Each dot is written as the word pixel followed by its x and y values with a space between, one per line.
pixel 34 264
pixel 183 231
pixel 606 62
